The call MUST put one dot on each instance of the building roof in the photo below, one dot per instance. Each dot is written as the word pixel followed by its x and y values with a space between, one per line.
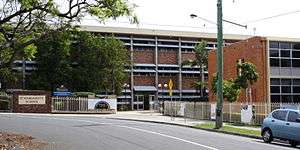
pixel 140 31
pixel 145 88
pixel 189 34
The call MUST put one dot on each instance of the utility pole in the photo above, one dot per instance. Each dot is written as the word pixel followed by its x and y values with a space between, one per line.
pixel 219 109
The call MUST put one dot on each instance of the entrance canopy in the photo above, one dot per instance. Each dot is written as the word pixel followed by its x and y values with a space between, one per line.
pixel 144 88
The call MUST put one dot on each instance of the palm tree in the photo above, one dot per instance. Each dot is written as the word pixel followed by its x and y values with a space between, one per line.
pixel 201 61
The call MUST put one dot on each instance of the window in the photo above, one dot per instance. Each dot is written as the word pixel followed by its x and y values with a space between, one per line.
pixel 275 98
pixel 296 46
pixel 293 116
pixel 274 53
pixel 275 89
pixel 285 63
pixel 275 81
pixel 296 54
pixel 285 89
pixel 274 45
pixel 296 81
pixel 286 81
pixel 296 63
pixel 296 98
pixel 274 62
pixel 284 45
pixel 286 98
pixel 284 53
pixel 279 114
pixel 296 89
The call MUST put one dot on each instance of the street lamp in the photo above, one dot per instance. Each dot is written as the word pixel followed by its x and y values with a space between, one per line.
pixel 212 22
pixel 219 113
pixel 125 87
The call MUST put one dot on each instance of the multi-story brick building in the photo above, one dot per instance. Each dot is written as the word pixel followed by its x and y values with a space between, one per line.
pixel 277 61
pixel 157 56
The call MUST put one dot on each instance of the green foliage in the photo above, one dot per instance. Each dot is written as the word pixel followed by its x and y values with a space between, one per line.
pixel 84 94
pixel 248 75
pixel 26 21
pixel 80 61
pixel 100 61
pixel 232 88
pixel 231 91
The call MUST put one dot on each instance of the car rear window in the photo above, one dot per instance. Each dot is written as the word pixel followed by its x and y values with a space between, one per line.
pixel 293 116
pixel 279 114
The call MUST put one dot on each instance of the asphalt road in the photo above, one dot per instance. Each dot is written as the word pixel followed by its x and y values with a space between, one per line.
pixel 98 133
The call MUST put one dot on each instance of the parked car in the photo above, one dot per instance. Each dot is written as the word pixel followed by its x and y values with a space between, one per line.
pixel 282 124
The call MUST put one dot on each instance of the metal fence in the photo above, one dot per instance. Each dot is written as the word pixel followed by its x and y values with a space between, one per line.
pixel 74 105
pixel 231 111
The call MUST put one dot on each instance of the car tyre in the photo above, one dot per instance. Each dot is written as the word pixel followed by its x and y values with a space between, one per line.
pixel 267 136
pixel 293 143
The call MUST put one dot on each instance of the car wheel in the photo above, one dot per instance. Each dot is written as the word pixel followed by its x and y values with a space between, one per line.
pixel 293 143
pixel 267 136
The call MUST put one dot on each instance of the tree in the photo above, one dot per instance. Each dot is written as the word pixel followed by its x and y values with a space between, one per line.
pixel 201 60
pixel 100 63
pixel 231 91
pixel 247 77
pixel 81 61
pixel 232 88
pixel 53 59
pixel 22 22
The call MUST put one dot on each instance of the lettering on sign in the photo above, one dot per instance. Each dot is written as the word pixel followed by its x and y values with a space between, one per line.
pixel 32 99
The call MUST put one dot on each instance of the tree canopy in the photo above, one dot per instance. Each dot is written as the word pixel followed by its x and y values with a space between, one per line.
pixel 22 22
pixel 80 61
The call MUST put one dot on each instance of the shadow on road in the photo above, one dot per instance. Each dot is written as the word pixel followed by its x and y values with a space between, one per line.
pixel 279 143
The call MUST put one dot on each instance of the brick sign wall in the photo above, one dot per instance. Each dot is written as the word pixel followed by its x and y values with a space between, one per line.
pixel 31 102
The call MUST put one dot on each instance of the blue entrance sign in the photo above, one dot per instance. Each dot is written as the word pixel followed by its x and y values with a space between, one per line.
pixel 62 93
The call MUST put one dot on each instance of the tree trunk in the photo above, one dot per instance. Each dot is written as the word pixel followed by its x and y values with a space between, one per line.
pixel 202 80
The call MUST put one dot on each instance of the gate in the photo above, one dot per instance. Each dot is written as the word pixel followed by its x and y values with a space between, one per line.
pixel 5 102
pixel 78 105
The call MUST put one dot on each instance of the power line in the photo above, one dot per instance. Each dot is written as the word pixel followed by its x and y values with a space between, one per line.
pixel 164 25
pixel 275 16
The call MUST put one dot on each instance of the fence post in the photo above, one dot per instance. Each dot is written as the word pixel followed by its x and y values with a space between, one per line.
pixel 230 113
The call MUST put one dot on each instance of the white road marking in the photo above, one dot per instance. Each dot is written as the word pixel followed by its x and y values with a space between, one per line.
pixel 169 136
pixel 141 130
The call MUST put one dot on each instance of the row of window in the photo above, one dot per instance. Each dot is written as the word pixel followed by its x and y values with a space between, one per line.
pixel 284 53
pixel 285 98
pixel 284 45
pixel 277 62
pixel 284 81
pixel 285 89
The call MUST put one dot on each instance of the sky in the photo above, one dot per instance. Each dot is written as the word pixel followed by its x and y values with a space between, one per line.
pixel 175 15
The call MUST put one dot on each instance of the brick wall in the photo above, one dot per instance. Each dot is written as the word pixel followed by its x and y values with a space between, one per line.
pixel 167 79
pixel 143 57
pixel 187 56
pixel 31 108
pixel 167 57
pixel 251 50
pixel 188 82
pixel 144 80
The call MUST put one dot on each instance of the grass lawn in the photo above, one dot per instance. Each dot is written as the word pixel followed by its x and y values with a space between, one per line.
pixel 230 128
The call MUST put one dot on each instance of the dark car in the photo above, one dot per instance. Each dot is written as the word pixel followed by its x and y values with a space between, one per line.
pixel 282 124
